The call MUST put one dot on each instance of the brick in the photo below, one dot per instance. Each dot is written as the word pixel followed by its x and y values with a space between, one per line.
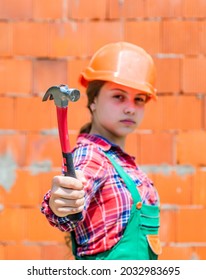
pixel 204 112
pixel 8 174
pixel 128 9
pixel 12 146
pixel 25 40
pixel 173 188
pixel 177 252
pixel 46 9
pixel 53 116
pixel 48 73
pixel 191 148
pixel 41 230
pixel 156 148
pixel 78 114
pixel 87 9
pixel 202 37
pixel 190 225
pixel 13 224
pixel 6 113
pixel 167 225
pixel 200 252
pixel 186 34
pixel 168 74
pixel 11 9
pixel 188 112
pixel 3 194
pixel 43 152
pixel 159 115
pixel 163 9
pixel 73 137
pixel 5 37
pixel 2 252
pixel 56 252
pixel 31 114
pixel 199 191
pixel 132 145
pixel 67 39
pixel 153 116
pixel 111 31
pixel 23 252
pixel 24 192
pixel 15 76
pixel 149 39
pixel 194 8
pixel 74 68
pixel 193 78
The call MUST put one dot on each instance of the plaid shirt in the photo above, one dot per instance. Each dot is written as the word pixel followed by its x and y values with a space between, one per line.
pixel 108 201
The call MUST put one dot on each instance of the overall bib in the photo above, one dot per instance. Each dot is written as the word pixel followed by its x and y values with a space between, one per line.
pixel 140 240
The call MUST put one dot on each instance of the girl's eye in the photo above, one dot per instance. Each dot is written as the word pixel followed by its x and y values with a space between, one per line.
pixel 119 97
pixel 141 99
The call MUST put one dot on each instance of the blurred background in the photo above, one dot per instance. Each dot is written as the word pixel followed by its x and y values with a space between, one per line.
pixel 48 42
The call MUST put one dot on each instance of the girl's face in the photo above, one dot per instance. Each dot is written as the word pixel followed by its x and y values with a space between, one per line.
pixel 117 110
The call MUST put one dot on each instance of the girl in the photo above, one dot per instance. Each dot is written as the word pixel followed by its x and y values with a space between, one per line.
pixel 119 204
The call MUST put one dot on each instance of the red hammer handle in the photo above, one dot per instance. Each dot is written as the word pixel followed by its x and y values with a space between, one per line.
pixel 68 165
pixel 63 129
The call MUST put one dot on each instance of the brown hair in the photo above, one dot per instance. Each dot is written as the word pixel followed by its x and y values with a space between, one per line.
pixel 92 91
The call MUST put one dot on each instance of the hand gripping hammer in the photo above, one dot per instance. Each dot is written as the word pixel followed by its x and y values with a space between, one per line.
pixel 61 96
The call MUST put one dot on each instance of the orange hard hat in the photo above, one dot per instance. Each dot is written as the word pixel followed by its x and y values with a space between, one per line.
pixel 122 63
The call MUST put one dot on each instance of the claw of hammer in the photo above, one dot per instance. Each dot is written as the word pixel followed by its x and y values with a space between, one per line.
pixel 61 95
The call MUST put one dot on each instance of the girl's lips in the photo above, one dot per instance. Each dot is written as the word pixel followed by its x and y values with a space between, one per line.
pixel 128 121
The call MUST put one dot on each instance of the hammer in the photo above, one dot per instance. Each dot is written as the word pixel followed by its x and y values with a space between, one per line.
pixel 61 96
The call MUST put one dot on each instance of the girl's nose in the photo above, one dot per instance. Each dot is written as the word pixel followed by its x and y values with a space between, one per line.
pixel 130 108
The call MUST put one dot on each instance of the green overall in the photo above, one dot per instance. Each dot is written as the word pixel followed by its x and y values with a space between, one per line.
pixel 140 240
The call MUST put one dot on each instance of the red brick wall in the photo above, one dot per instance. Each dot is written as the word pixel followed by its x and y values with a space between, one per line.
pixel 48 42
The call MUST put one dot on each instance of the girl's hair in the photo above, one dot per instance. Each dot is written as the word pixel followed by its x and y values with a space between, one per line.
pixel 92 91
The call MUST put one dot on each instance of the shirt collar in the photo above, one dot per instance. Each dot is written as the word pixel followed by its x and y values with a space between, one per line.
pixel 104 143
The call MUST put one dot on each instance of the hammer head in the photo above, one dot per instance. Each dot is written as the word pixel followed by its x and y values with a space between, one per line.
pixel 61 95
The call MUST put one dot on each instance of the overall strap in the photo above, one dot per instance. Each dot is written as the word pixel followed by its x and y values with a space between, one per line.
pixel 131 185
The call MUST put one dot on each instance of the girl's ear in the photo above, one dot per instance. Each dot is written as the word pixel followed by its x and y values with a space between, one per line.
pixel 92 107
